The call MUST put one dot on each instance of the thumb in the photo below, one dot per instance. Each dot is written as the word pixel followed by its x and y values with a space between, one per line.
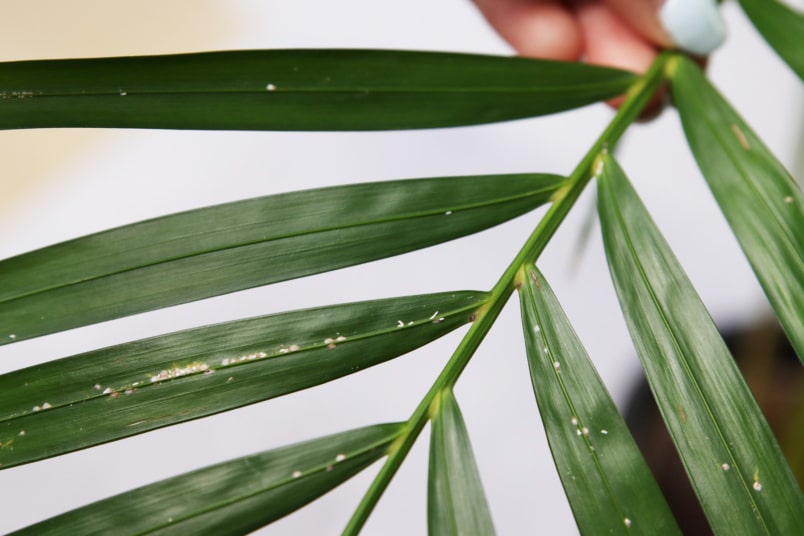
pixel 691 25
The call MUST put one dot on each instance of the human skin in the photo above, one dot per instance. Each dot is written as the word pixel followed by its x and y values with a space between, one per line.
pixel 618 33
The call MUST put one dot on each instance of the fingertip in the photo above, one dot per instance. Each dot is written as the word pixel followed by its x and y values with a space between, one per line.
pixel 535 28
pixel 610 41
pixel 643 17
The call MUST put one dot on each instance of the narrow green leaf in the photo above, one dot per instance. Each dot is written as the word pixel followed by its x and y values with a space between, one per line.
pixel 296 90
pixel 225 248
pixel 782 27
pixel 734 463
pixel 456 503
pixel 761 201
pixel 235 497
pixel 609 486
pixel 123 390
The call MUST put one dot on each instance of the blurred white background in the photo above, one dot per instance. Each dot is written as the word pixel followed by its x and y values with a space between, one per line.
pixel 59 184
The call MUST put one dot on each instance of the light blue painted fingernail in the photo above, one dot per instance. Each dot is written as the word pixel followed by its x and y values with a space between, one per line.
pixel 695 25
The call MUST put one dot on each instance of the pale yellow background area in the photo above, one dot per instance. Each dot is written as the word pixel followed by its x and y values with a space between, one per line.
pixel 90 28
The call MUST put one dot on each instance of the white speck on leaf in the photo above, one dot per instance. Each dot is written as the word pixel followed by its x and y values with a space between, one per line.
pixel 604 432
pixel 788 199
pixel 757 485
pixel 46 405
pixel 557 366
pixel 340 457
pixel 627 522
pixel 297 474
pixel 575 421
pixel 270 87
pixel 725 467
pixel 740 136
pixel 22 433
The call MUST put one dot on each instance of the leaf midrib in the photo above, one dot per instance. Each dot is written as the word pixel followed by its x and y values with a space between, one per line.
pixel 122 92
pixel 685 365
pixel 745 175
pixel 316 470
pixel 568 400
pixel 321 230
pixel 317 346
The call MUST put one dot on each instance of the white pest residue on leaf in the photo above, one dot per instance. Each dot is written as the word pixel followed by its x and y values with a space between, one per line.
pixel 178 372
pixel 740 136
pixel 248 357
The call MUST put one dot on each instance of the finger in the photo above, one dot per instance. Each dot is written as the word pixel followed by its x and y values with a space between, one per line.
pixel 692 25
pixel 643 17
pixel 536 28
pixel 610 41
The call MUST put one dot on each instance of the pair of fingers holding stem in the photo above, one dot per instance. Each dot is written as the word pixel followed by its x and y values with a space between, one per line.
pixel 627 34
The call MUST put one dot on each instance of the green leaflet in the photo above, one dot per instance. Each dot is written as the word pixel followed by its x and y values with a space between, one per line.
pixel 456 503
pixel 235 497
pixel 216 250
pixel 296 90
pixel 761 201
pixel 123 390
pixel 609 486
pixel 782 28
pixel 736 467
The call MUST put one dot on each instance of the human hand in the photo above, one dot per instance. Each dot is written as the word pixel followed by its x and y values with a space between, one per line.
pixel 618 33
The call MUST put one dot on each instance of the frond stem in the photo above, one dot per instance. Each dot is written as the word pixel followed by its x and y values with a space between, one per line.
pixel 637 98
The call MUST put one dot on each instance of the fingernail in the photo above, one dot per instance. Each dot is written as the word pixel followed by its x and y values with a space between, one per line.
pixel 694 25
